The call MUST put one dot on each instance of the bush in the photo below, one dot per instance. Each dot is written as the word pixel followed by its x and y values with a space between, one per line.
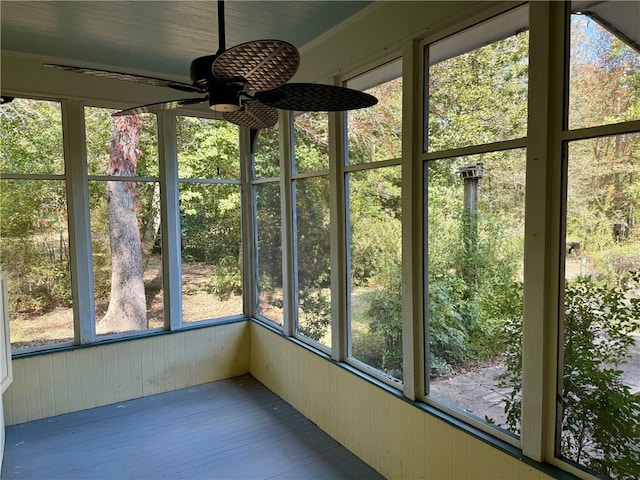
pixel 601 417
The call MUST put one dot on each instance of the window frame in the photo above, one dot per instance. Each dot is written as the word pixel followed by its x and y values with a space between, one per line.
pixel 293 177
pixel 206 181
pixel 426 157
pixel 341 169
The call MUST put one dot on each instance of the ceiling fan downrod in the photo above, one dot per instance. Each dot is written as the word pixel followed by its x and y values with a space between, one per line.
pixel 221 33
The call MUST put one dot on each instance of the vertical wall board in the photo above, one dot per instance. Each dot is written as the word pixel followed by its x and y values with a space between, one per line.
pixel 190 358
pixel 74 386
pixel 432 440
pixel 307 390
pixel 32 388
pixel 179 361
pixel 224 345
pixel 157 355
pixel 257 359
pixel 445 452
pixel 203 357
pixel 408 466
pixel 320 393
pixel 126 366
pixel 112 383
pixel 47 397
pixel 136 377
pixel 298 385
pixel 491 460
pixel 170 370
pixel 214 350
pixel 459 446
pixel 60 384
pixel 376 446
pixel 146 363
pixel 98 378
pixel 419 444
pixel 511 468
pixel 362 426
pixel 85 372
pixel 527 472
pixel 353 416
pixel 341 405
pixel 391 452
pixel 241 349
pixel 16 395
pixel 330 409
pixel 280 357
pixel 475 454
pixel 243 354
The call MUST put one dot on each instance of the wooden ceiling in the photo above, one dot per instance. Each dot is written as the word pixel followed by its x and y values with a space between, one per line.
pixel 158 36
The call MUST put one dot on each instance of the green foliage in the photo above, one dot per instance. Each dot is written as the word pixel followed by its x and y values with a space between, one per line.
pixel 314 313
pixel 226 279
pixel 33 225
pixel 600 415
pixel 479 96
pixel 381 345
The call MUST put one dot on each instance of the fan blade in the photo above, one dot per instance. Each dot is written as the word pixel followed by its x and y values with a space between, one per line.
pixel 157 82
pixel 156 107
pixel 263 64
pixel 253 115
pixel 313 97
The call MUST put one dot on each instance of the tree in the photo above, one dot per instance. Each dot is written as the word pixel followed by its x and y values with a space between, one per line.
pixel 127 305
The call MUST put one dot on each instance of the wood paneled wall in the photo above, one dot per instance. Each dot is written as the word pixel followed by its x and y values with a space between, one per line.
pixel 396 438
pixel 63 382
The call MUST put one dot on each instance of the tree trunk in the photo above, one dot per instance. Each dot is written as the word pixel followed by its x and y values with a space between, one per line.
pixel 127 306
pixel 152 227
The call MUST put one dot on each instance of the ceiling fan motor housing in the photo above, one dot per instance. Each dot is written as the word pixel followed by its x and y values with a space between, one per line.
pixel 201 70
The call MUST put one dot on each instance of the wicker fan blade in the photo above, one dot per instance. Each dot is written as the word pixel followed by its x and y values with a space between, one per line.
pixel 156 107
pixel 263 64
pixel 312 97
pixel 253 115
pixel 158 82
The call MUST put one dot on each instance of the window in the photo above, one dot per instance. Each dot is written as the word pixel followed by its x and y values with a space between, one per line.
pixel 475 219
pixel 374 221
pixel 124 205
pixel 34 239
pixel 599 415
pixel 310 186
pixel 268 225
pixel 209 191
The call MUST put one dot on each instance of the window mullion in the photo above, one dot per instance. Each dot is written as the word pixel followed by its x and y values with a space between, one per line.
pixel 248 214
pixel 79 222
pixel 542 229
pixel 337 214
pixel 170 210
pixel 412 221
pixel 288 274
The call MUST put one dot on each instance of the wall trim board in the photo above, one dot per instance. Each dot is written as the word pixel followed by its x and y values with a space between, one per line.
pixel 289 360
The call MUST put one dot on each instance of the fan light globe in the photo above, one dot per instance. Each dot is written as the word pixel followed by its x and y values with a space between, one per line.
pixel 224 107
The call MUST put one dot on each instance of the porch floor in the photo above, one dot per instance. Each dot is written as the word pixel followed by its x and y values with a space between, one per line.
pixel 230 429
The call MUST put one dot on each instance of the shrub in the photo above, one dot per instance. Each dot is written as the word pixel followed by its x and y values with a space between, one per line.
pixel 600 415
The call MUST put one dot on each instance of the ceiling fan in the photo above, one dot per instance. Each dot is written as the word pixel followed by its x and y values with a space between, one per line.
pixel 246 83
